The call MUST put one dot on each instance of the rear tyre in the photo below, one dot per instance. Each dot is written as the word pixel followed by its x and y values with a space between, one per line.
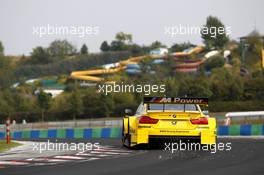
pixel 126 138
pixel 123 134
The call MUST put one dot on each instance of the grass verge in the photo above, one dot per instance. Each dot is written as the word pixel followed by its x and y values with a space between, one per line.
pixel 5 147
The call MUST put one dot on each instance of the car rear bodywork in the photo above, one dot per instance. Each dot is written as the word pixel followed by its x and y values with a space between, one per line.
pixel 147 125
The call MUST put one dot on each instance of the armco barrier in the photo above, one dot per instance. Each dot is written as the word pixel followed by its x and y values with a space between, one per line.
pixel 232 130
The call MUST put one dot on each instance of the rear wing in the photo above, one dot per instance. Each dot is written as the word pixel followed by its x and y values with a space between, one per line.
pixel 176 100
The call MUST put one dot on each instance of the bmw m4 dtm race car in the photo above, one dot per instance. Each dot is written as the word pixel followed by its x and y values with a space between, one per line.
pixel 168 118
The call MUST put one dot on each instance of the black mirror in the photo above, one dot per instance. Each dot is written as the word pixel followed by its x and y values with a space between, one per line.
pixel 128 111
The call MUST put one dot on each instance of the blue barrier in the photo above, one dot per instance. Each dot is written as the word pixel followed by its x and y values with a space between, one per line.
pixel 105 133
pixel 69 133
pixel 2 135
pixel 87 133
pixel 52 133
pixel 245 130
pixel 34 134
pixel 222 130
pixel 17 135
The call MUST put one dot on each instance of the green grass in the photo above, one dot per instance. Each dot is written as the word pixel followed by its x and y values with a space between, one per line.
pixel 5 147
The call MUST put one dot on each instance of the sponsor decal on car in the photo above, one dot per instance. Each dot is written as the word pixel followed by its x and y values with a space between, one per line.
pixel 173 131
pixel 176 100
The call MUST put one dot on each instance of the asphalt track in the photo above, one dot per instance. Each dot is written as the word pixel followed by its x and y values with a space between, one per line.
pixel 245 157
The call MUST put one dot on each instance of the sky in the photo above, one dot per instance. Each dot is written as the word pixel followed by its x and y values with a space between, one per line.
pixel 146 20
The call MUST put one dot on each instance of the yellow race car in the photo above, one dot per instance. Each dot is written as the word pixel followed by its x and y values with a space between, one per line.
pixel 168 118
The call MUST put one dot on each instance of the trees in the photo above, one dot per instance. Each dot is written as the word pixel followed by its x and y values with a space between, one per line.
pixel 199 90
pixel 251 53
pixel 180 47
pixel 194 88
pixel 172 87
pixel 40 55
pixel 44 102
pixel 6 69
pixel 6 72
pixel 225 85
pixel 254 88
pixel 123 41
pixel 104 47
pixel 57 49
pixel 254 42
pixel 23 104
pixel 91 102
pixel 1 48
pixel 214 62
pixel 156 45
pixel 61 48
pixel 123 101
pixel 136 50
pixel 76 104
pixel 124 37
pixel 214 33
pixel 6 103
pixel 117 46
pixel 84 50
pixel 106 104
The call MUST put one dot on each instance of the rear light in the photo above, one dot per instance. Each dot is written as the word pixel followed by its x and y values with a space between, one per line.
pixel 200 121
pixel 147 120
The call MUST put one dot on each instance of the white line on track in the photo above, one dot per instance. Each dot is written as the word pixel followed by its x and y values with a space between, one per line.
pixel 119 151
pixel 69 157
pixel 50 160
pixel 84 154
pixel 99 152
pixel 90 159
pixel 6 162
pixel 91 155
pixel 88 155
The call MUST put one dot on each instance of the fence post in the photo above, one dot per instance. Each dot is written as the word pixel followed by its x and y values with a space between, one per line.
pixel 227 121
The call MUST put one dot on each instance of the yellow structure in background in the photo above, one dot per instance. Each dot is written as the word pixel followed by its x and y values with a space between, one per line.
pixel 91 75
pixel 194 50
pixel 262 58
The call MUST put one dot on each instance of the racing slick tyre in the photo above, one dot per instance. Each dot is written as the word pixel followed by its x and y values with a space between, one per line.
pixel 123 135
pixel 126 138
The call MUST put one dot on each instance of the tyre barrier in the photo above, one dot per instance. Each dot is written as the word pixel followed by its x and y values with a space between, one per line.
pixel 240 130
pixel 66 133
pixel 232 130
